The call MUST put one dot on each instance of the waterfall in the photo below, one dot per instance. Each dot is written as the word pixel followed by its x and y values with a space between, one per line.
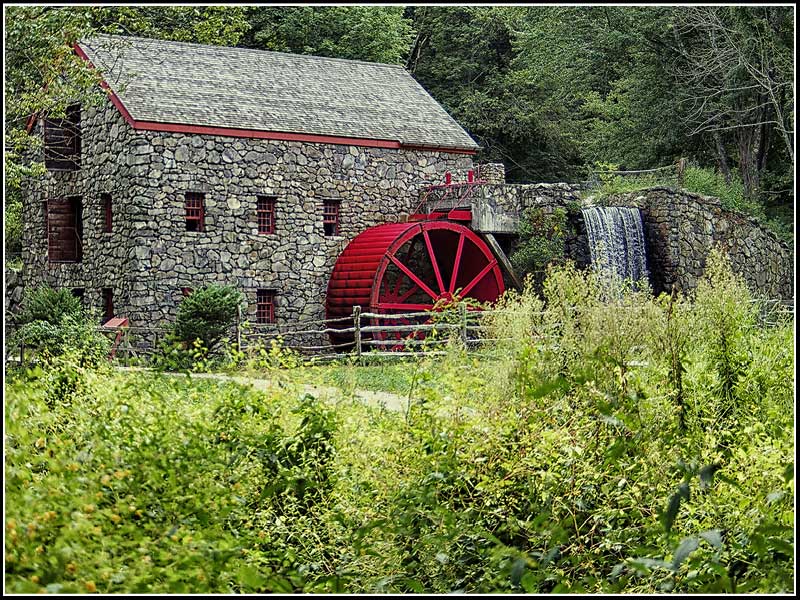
pixel 616 242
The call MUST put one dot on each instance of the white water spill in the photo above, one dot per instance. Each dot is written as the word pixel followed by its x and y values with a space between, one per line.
pixel 616 242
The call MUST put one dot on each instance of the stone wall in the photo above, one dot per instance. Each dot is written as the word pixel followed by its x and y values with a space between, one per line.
pixel 107 143
pixel 13 298
pixel 682 227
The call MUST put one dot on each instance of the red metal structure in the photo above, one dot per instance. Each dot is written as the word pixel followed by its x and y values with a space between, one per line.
pixel 408 267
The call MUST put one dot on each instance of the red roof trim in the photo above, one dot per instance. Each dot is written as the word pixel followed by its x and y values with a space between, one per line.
pixel 257 133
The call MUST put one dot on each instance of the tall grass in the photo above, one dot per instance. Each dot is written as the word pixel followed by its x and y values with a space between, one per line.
pixel 637 445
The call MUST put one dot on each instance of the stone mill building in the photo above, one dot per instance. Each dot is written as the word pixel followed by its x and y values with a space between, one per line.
pixel 226 165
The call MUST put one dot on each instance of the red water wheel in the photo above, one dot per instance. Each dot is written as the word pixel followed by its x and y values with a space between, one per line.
pixel 410 267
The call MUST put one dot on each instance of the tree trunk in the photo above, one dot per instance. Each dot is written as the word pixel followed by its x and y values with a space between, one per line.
pixel 722 157
pixel 747 143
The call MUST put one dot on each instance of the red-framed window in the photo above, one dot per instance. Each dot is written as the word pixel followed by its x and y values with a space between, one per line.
pixel 265 306
pixel 62 141
pixel 195 211
pixel 107 212
pixel 265 213
pixel 64 227
pixel 108 304
pixel 330 216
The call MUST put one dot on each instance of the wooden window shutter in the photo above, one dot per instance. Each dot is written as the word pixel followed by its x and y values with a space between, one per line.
pixel 64 229
pixel 62 141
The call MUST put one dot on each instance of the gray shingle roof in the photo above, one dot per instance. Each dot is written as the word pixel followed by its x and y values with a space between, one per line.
pixel 193 84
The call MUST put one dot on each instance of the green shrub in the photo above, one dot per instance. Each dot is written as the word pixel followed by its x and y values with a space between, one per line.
pixel 75 334
pixel 53 323
pixel 542 235
pixel 554 462
pixel 13 225
pixel 708 182
pixel 46 304
pixel 206 314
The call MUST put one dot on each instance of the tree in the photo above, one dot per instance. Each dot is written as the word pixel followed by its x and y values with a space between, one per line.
pixel 370 33
pixel 736 74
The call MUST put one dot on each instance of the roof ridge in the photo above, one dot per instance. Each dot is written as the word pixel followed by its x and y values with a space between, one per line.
pixel 241 49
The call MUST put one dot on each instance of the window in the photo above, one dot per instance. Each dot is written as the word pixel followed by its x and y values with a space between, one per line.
pixel 186 291
pixel 78 293
pixel 107 211
pixel 62 141
pixel 64 222
pixel 265 213
pixel 265 306
pixel 108 304
pixel 195 214
pixel 330 217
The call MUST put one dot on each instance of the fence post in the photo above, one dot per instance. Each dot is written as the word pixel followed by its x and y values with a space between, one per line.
pixel 681 168
pixel 238 329
pixel 462 308
pixel 357 332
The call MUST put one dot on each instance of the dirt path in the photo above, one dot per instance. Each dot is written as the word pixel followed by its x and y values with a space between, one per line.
pixel 387 400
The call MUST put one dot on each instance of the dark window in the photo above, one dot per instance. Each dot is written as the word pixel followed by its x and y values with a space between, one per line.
pixel 330 217
pixel 186 291
pixel 108 212
pixel 108 304
pixel 195 215
pixel 62 141
pixel 265 213
pixel 78 293
pixel 265 306
pixel 64 229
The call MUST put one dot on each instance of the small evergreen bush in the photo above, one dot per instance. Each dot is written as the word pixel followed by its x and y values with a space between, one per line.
pixel 206 314
pixel 46 304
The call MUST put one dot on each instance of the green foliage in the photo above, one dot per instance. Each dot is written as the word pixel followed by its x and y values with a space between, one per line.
pixel 46 304
pixel 13 226
pixel 370 33
pixel 711 183
pixel 632 445
pixel 542 238
pixel 52 324
pixel 206 314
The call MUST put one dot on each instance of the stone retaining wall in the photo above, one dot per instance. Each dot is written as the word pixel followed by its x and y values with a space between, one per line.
pixel 681 228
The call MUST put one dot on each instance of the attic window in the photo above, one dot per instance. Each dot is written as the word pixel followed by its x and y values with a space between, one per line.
pixel 64 229
pixel 265 213
pixel 330 216
pixel 195 212
pixel 62 141
pixel 265 306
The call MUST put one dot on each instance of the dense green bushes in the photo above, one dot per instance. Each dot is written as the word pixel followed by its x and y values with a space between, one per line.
pixel 643 445
pixel 52 323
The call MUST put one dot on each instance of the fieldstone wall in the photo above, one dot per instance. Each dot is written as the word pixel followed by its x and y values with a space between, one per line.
pixel 107 144
pixel 150 255
pixel 680 229
pixel 13 298
pixel 515 199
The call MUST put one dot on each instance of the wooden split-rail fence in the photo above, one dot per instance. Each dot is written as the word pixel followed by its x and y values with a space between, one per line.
pixel 368 333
